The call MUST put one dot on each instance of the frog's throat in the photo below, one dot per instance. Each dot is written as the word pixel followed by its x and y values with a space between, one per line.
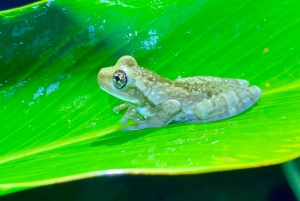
pixel 135 102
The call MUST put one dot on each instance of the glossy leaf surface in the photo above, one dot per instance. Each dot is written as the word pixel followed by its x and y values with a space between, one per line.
pixel 57 125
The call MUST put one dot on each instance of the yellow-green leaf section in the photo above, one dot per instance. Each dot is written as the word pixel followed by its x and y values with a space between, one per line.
pixel 57 125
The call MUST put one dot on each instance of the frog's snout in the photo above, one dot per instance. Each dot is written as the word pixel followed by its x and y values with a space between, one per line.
pixel 102 77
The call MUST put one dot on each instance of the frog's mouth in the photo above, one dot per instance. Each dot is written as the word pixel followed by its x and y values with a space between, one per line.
pixel 125 96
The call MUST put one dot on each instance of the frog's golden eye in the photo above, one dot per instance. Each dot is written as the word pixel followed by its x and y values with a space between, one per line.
pixel 119 79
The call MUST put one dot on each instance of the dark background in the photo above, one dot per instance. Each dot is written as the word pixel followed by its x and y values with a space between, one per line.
pixel 6 4
pixel 259 184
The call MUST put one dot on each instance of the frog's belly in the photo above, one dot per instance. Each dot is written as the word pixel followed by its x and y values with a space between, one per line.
pixel 191 118
pixel 186 115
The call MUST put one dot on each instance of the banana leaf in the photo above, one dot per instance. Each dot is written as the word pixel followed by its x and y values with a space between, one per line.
pixel 57 125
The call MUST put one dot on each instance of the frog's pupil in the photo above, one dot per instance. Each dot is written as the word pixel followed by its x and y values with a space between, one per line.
pixel 119 79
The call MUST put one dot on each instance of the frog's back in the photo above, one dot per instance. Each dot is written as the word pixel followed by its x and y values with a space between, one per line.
pixel 199 80
pixel 200 87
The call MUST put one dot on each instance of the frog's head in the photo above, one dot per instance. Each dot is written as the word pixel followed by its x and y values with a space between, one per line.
pixel 119 80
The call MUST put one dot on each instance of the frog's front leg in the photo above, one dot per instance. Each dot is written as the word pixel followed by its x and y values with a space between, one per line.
pixel 121 107
pixel 130 113
pixel 169 109
pixel 227 104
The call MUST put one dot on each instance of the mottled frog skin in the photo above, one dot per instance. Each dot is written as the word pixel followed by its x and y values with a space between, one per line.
pixel 154 101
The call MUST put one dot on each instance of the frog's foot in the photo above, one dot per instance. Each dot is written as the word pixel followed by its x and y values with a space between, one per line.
pixel 121 107
pixel 165 115
pixel 227 104
pixel 131 113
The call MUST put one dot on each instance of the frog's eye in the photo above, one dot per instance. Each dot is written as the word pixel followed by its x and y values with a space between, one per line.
pixel 119 79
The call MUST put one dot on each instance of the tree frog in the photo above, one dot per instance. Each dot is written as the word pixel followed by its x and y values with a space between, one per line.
pixel 154 101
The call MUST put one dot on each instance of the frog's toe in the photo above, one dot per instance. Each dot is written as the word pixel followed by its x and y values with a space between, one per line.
pixel 124 120
pixel 130 128
pixel 138 120
pixel 141 126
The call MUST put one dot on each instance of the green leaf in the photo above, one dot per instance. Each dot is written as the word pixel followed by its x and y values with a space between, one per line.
pixel 57 125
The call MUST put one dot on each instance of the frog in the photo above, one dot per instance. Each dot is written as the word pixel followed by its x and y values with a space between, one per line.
pixel 151 100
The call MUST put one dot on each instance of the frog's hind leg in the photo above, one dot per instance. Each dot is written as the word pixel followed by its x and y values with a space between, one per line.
pixel 165 115
pixel 227 104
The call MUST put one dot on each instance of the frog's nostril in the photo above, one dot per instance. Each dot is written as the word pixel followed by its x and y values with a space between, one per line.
pixel 100 74
pixel 100 77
